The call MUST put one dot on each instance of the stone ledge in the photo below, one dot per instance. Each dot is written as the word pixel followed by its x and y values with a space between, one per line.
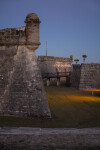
pixel 49 138
pixel 35 131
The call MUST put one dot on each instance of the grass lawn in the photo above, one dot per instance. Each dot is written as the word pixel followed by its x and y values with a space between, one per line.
pixel 71 108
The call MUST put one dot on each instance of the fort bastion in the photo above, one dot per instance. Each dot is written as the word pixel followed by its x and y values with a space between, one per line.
pixel 21 87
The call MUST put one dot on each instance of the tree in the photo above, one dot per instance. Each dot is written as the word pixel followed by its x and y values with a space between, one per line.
pixel 84 57
pixel 76 60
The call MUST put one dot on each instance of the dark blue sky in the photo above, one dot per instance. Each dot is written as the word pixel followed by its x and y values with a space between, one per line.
pixel 71 27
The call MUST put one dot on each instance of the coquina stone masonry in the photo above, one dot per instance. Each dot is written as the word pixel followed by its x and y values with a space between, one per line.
pixel 75 75
pixel 55 66
pixel 86 76
pixel 21 87
pixel 51 64
pixel 90 76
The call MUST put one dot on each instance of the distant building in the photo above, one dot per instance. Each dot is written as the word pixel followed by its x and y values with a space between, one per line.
pixel 51 64
pixel 83 76
pixel 55 68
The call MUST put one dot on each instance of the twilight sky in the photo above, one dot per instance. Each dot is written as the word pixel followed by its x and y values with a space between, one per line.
pixel 70 27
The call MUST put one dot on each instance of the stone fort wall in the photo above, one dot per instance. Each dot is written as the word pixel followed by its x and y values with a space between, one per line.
pixel 21 87
pixel 90 76
pixel 50 64
pixel 12 36
pixel 86 76
pixel 75 75
pixel 83 76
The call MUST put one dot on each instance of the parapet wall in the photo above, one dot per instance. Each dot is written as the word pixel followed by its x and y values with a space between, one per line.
pixel 50 64
pixel 52 58
pixel 12 36
pixel 86 76
pixel 90 76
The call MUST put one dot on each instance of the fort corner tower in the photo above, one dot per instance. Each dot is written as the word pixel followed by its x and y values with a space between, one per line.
pixel 32 31
pixel 21 87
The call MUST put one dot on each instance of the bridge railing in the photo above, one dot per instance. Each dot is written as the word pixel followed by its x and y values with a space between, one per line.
pixel 56 75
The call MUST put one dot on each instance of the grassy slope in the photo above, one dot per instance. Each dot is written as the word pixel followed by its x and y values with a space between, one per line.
pixel 74 108
pixel 70 108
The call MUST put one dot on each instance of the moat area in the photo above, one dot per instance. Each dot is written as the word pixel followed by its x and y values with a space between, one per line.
pixel 75 124
pixel 70 108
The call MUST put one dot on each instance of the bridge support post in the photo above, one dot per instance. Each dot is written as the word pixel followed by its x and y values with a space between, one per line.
pixel 67 81
pixel 48 81
pixel 58 81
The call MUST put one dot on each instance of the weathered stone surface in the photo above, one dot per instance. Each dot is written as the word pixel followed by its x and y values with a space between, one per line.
pixel 50 64
pixel 21 87
pixel 86 76
pixel 75 76
pixel 90 76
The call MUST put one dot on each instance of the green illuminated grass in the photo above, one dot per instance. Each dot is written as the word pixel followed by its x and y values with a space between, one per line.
pixel 69 108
